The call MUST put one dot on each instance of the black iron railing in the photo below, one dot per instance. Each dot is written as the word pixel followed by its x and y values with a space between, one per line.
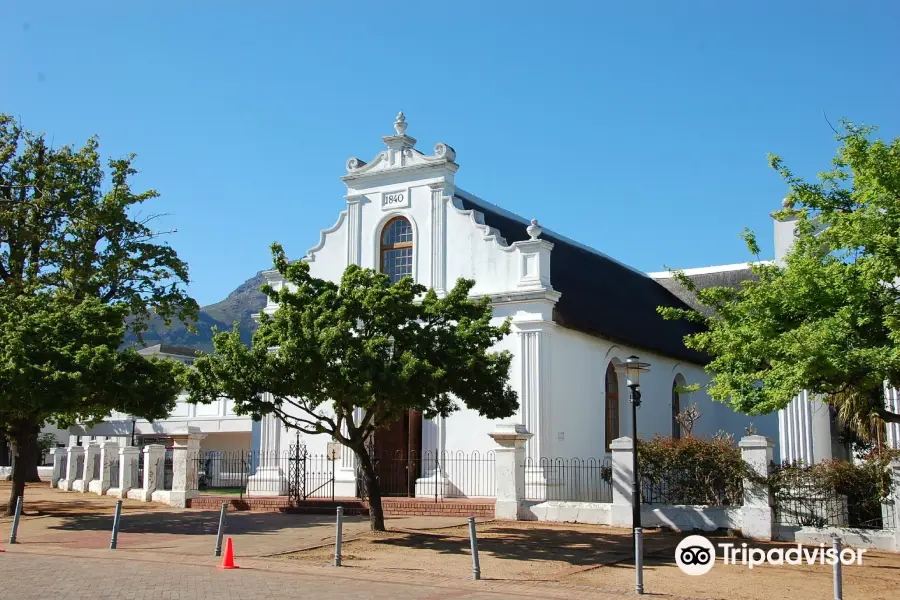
pixel 568 479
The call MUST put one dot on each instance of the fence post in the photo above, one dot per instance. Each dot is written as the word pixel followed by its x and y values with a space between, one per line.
pixel 109 451
pixel 91 464
pixel 153 475
pixel 57 455
pixel 758 520
pixel 510 469
pixel 73 454
pixel 128 457
pixel 621 512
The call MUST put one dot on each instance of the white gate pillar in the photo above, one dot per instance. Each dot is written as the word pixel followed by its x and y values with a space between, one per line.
pixel 510 466
pixel 621 513
pixel 758 521
pixel 185 454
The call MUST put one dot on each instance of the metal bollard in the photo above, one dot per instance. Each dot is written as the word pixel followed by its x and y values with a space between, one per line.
pixel 338 536
pixel 473 542
pixel 838 580
pixel 15 526
pixel 115 532
pixel 221 529
pixel 638 561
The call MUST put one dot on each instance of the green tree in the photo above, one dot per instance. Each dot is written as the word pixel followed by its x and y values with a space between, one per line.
pixel 362 344
pixel 62 231
pixel 828 320
pixel 59 360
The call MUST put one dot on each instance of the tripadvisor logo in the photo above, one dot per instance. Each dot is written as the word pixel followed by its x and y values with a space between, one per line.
pixel 696 555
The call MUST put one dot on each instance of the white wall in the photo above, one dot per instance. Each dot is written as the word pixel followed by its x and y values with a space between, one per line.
pixel 578 400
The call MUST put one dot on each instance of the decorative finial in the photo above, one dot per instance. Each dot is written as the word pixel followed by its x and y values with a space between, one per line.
pixel 400 124
pixel 534 230
pixel 787 203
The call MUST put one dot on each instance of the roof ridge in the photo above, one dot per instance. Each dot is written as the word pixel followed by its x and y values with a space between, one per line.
pixel 511 215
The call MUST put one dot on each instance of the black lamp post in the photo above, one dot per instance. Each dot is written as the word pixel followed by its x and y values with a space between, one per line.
pixel 633 368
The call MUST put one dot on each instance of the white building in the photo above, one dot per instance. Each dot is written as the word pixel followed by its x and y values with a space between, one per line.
pixel 576 313
pixel 225 430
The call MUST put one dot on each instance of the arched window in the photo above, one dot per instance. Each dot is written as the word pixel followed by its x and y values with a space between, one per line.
pixel 612 405
pixel 397 249
pixel 676 410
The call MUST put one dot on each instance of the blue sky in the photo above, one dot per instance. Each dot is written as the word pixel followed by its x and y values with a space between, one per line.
pixel 639 128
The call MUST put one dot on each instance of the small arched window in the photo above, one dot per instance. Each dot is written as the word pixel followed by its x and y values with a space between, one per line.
pixel 676 410
pixel 612 405
pixel 397 249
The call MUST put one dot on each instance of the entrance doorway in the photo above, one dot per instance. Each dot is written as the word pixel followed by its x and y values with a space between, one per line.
pixel 398 452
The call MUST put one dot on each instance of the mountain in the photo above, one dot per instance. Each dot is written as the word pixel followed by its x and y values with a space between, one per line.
pixel 240 304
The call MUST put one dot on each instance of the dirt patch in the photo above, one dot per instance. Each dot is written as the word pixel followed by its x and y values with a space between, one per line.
pixel 600 557
pixel 41 500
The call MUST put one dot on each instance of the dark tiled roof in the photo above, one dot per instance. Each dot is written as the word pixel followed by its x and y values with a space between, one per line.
pixel 167 349
pixel 601 296
pixel 731 278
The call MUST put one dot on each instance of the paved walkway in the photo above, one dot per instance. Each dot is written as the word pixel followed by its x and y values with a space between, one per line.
pixel 194 532
pixel 28 575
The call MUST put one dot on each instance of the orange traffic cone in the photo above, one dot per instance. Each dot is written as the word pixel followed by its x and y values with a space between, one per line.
pixel 228 559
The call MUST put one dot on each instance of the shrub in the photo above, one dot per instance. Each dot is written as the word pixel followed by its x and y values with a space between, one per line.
pixel 692 471
pixel 811 493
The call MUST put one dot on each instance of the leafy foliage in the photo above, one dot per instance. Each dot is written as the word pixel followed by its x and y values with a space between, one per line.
pixel 828 319
pixel 693 471
pixel 345 359
pixel 813 492
pixel 75 263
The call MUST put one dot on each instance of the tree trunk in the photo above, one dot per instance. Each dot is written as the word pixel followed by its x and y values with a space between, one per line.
pixel 373 490
pixel 32 459
pixel 19 446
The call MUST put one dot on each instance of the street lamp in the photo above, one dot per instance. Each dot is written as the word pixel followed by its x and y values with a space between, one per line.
pixel 633 368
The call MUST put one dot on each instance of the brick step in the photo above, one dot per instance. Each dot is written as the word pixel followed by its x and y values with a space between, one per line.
pixel 352 506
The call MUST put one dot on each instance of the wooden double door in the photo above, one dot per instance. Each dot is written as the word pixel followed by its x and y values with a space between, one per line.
pixel 398 451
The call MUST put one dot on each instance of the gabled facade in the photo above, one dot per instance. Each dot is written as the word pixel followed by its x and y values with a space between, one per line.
pixel 576 313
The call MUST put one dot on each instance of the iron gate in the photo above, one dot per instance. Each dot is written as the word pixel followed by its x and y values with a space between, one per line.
pixel 297 473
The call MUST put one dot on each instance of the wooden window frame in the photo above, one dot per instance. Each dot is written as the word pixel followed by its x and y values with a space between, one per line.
pixel 612 420
pixel 396 246
pixel 676 410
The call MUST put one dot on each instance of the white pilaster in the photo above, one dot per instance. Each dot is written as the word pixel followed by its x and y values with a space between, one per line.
pixel 434 480
pixel 354 228
pixel 757 452
pixel 534 358
pixel 269 479
pixel 438 239
pixel 892 403
pixel 510 471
